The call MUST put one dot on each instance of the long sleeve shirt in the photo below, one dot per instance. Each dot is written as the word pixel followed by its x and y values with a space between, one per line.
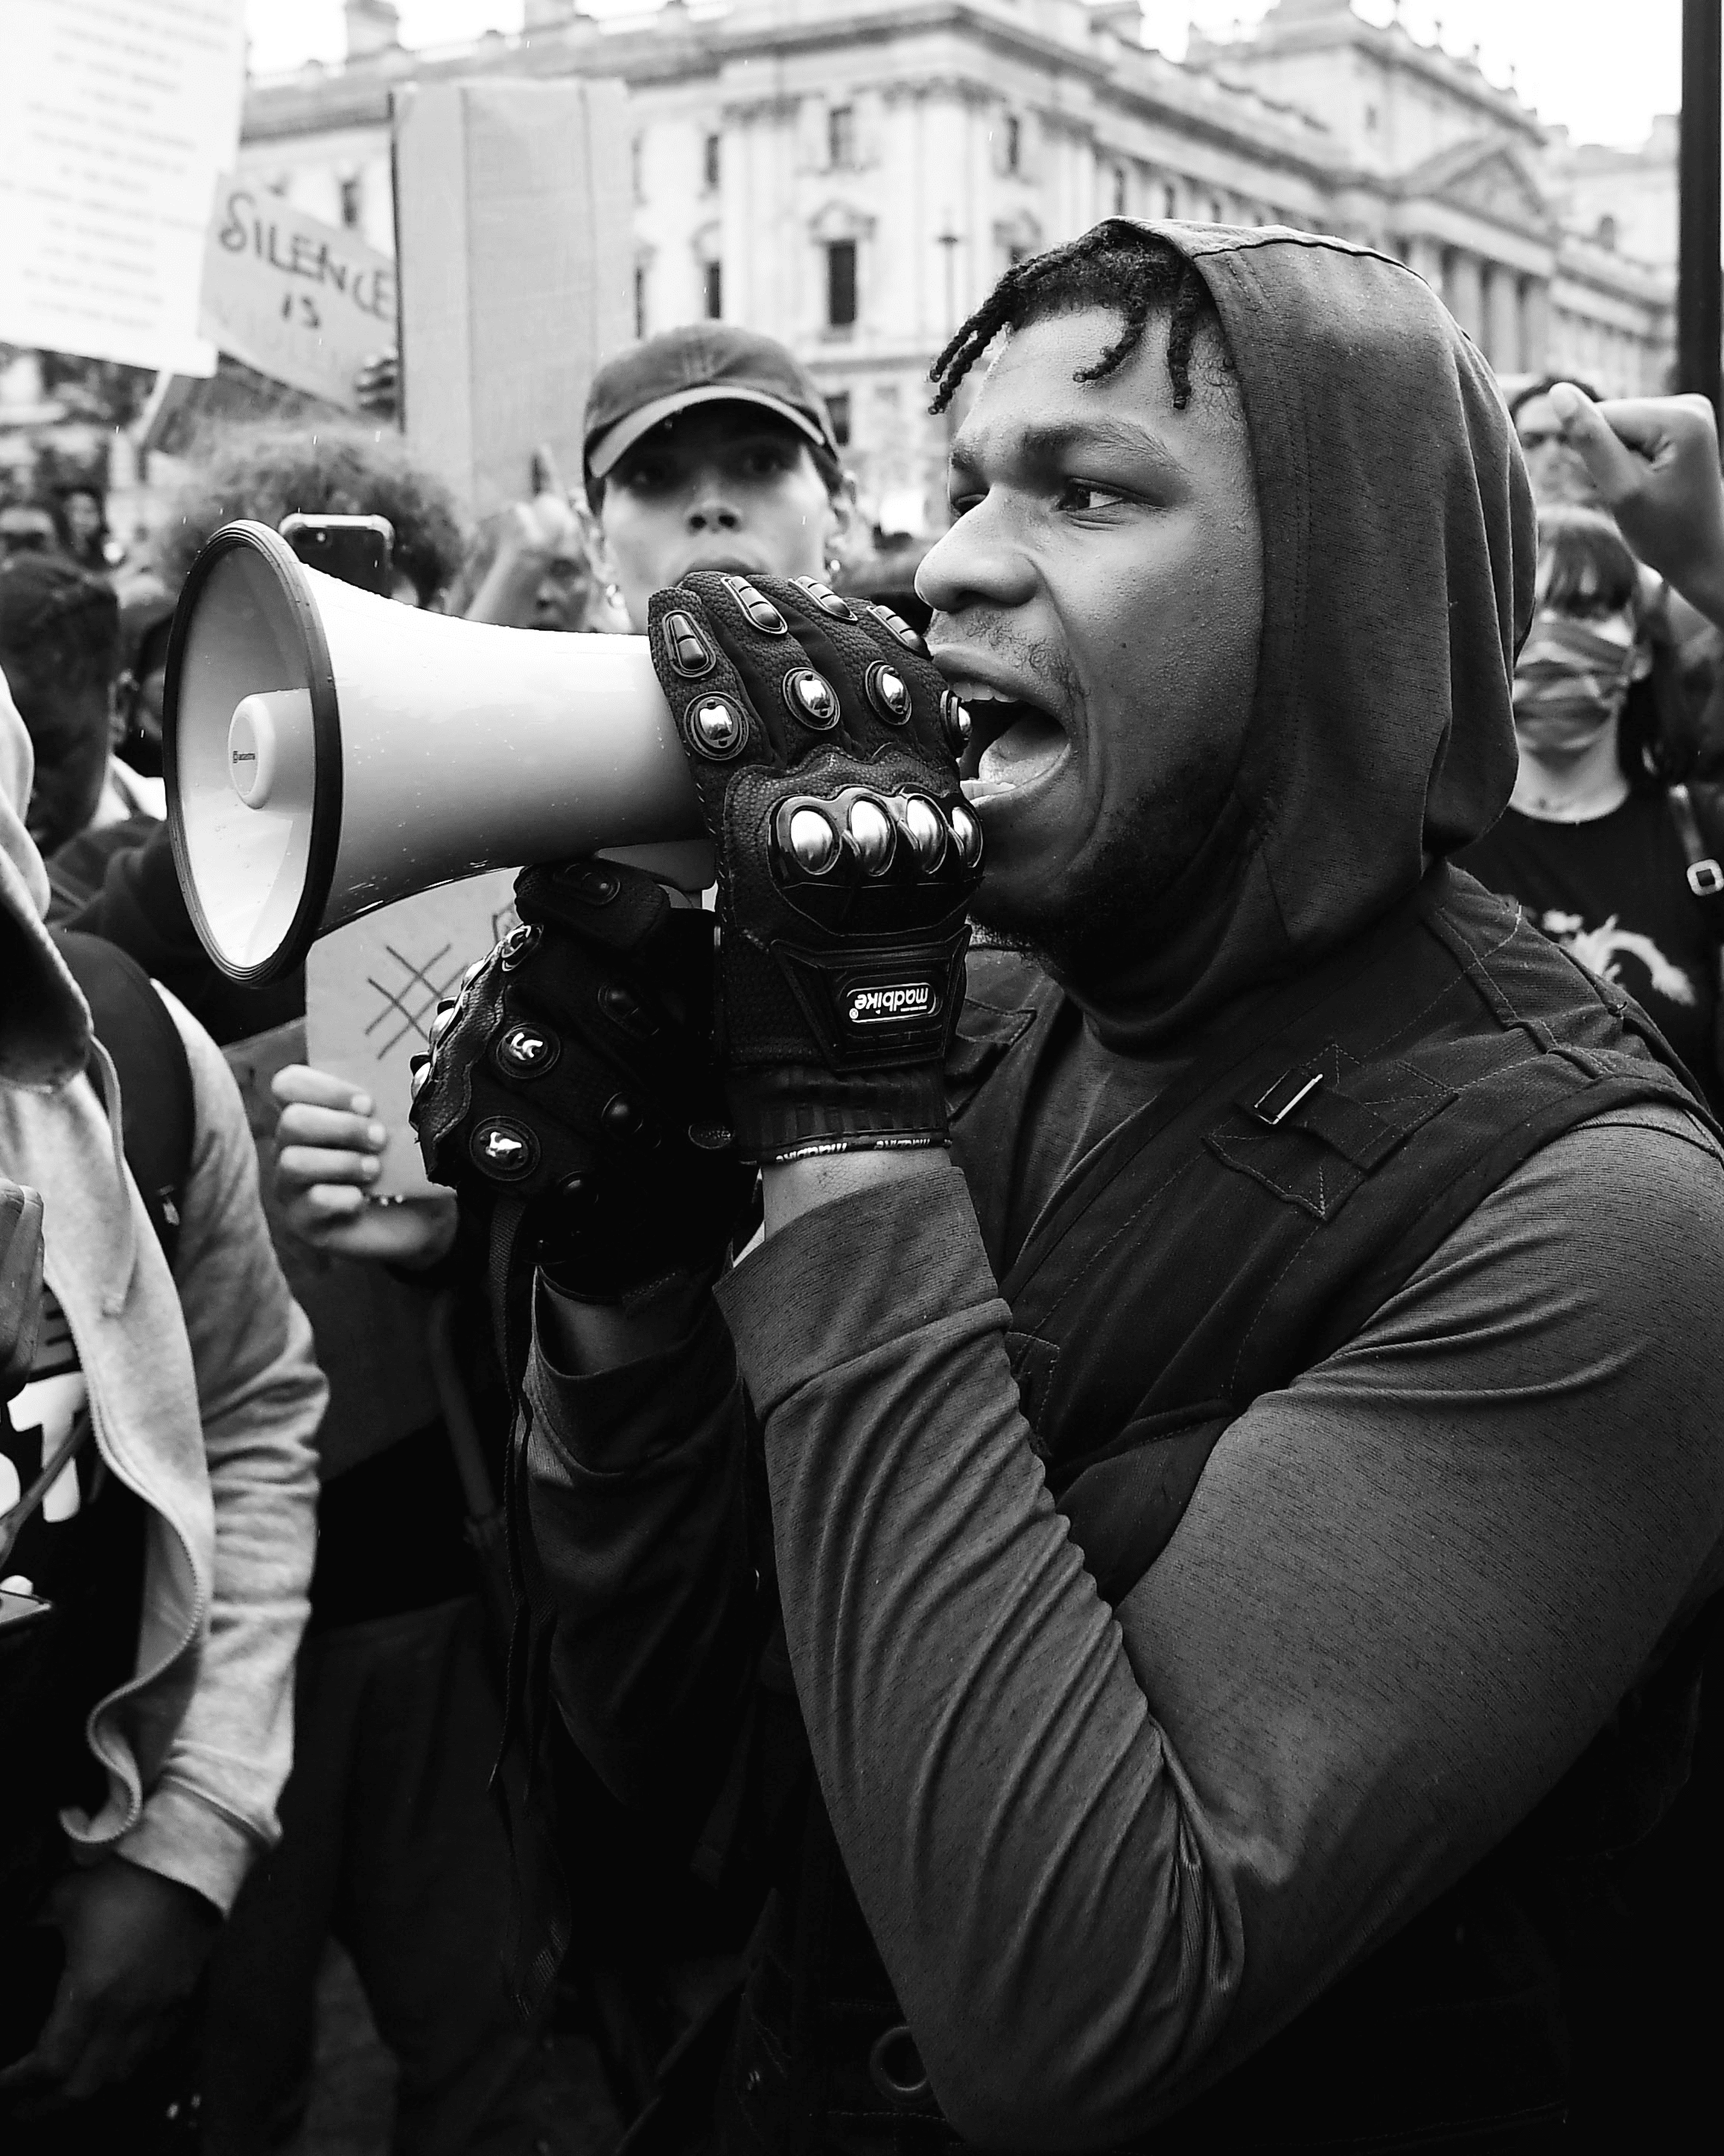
pixel 1106 1852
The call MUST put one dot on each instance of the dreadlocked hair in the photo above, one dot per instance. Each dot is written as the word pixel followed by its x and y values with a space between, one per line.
pixel 1131 272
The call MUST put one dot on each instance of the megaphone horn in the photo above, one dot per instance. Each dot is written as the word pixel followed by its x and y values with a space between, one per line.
pixel 327 751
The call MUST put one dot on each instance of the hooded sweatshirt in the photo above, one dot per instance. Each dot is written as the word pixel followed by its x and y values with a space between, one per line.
pixel 203 1396
pixel 1106 1852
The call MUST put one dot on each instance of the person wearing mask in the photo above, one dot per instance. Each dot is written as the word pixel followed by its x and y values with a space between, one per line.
pixel 158 1487
pixel 1227 1528
pixel 1564 476
pixel 1591 843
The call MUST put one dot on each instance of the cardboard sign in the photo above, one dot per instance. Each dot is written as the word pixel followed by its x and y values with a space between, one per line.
pixel 301 301
pixel 116 116
pixel 515 232
pixel 372 989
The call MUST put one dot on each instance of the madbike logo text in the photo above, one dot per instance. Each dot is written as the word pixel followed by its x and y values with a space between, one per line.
pixel 892 1004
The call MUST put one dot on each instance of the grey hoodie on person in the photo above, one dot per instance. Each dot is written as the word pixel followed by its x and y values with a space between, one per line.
pixel 204 1396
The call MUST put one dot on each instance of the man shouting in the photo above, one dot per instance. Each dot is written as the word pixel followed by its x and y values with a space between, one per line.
pixel 1177 1559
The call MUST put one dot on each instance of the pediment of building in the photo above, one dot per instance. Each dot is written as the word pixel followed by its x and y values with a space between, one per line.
pixel 838 219
pixel 1488 177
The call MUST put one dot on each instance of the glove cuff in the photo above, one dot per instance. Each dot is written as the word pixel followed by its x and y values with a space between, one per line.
pixel 793 1112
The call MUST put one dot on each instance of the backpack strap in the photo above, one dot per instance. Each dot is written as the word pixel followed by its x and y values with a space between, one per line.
pixel 1706 874
pixel 161 1114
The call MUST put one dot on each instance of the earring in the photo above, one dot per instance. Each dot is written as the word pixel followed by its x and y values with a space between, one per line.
pixel 833 566
pixel 614 594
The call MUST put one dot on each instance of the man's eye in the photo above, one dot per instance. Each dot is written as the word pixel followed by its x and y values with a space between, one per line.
pixel 1080 495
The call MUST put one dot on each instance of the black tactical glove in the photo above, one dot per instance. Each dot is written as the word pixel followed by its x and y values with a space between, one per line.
pixel 823 745
pixel 575 1074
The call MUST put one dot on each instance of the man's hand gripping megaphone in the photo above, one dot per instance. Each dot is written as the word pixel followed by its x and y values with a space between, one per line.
pixel 599 1067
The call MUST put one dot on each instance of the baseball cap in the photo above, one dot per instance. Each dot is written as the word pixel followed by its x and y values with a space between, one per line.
pixel 706 363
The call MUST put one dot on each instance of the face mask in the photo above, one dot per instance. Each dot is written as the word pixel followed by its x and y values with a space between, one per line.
pixel 1569 682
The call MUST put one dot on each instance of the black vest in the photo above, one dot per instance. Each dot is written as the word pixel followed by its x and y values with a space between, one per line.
pixel 1229 1235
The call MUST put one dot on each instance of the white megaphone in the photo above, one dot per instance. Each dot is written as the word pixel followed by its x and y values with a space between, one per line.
pixel 327 752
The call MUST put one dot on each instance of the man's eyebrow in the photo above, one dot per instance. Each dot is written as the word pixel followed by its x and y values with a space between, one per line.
pixel 1047 443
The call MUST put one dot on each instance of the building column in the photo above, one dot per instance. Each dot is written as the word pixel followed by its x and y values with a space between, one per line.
pixel 1535 297
pixel 1463 289
pixel 1424 258
pixel 1502 319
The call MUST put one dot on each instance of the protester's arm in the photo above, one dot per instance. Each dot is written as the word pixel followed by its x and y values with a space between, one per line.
pixel 261 1396
pixel 636 1497
pixel 1654 461
pixel 1104 1854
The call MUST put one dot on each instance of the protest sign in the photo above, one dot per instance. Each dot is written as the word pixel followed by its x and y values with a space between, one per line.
pixel 301 301
pixel 372 989
pixel 116 116
pixel 514 237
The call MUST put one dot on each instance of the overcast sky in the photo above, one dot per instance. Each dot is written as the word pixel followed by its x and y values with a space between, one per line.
pixel 1578 61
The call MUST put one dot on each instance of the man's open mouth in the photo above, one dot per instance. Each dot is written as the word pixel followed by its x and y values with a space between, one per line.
pixel 1013 744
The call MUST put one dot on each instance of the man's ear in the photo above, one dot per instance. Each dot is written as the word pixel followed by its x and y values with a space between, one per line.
pixel 599 547
pixel 845 515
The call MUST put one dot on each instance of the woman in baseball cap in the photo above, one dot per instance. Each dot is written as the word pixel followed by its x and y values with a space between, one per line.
pixel 711 448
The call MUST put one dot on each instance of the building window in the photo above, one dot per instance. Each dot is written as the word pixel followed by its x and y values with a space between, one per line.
pixel 1215 210
pixel 1119 190
pixel 838 410
pixel 709 160
pixel 1606 234
pixel 1014 143
pixel 640 310
pixel 352 203
pixel 1170 200
pixel 637 167
pixel 1370 119
pixel 841 137
pixel 715 291
pixel 841 284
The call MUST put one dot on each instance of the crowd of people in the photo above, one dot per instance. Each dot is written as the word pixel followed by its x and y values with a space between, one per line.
pixel 1063 1488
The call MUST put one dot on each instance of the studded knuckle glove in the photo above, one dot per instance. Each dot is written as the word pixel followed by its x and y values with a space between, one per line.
pixel 575 1074
pixel 823 744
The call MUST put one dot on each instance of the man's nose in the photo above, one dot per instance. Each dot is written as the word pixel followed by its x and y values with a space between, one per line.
pixel 711 511
pixel 978 562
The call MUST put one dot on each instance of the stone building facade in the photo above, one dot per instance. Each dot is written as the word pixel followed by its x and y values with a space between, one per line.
pixel 853 175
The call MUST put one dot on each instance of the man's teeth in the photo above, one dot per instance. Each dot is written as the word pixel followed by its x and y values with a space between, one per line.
pixel 979 692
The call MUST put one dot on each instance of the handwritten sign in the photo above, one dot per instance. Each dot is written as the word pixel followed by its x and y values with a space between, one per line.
pixel 116 116
pixel 302 301
pixel 372 989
